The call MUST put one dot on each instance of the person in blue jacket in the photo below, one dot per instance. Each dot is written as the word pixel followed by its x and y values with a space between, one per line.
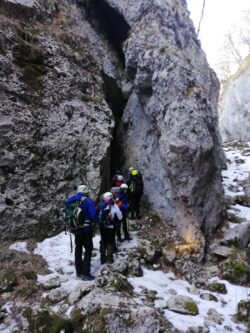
pixel 122 197
pixel 83 236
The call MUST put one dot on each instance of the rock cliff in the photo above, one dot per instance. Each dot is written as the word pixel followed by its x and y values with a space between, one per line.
pixel 89 86
pixel 234 106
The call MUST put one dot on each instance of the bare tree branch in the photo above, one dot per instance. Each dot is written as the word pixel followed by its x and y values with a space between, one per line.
pixel 202 13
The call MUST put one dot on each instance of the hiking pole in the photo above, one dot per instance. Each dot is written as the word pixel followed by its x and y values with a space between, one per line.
pixel 71 245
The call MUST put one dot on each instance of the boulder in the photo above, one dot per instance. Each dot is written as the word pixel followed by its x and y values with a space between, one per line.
pixel 182 304
pixel 238 236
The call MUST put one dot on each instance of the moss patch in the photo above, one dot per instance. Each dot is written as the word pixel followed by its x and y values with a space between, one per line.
pixel 236 272
pixel 243 311
pixel 7 282
pixel 29 290
pixel 30 275
pixel 44 322
pixel 192 308
pixel 120 283
pixel 217 287
pixel 31 60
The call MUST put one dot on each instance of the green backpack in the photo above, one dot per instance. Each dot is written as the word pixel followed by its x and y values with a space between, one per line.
pixel 73 216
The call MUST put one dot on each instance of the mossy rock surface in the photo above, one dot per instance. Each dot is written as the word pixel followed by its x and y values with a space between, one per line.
pixel 120 283
pixel 44 322
pixel 192 308
pixel 31 60
pixel 236 272
pixel 30 275
pixel 29 290
pixel 243 311
pixel 217 287
pixel 7 282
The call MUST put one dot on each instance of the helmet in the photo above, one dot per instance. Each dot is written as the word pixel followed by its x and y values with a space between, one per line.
pixel 120 177
pixel 107 196
pixel 134 172
pixel 83 189
pixel 130 169
pixel 124 186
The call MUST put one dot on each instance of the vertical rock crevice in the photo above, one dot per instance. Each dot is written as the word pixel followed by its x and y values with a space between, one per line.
pixel 113 27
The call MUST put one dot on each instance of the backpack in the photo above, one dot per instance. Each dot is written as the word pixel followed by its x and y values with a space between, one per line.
pixel 106 218
pixel 136 183
pixel 74 217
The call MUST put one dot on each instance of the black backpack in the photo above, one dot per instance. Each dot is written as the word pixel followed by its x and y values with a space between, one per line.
pixel 105 216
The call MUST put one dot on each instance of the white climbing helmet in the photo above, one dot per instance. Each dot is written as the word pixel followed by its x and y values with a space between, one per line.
pixel 130 169
pixel 124 186
pixel 120 178
pixel 83 189
pixel 107 196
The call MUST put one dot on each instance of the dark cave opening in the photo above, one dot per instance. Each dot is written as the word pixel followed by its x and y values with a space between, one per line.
pixel 116 102
pixel 107 21
pixel 110 24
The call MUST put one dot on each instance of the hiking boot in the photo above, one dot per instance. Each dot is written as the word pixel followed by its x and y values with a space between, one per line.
pixel 120 240
pixel 128 238
pixel 116 250
pixel 110 261
pixel 87 277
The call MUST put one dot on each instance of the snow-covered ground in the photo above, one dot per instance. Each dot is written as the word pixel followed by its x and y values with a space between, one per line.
pixel 236 172
pixel 165 283
pixel 56 251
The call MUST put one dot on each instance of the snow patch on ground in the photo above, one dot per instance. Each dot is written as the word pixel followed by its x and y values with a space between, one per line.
pixel 19 246
pixel 236 172
pixel 57 253
pixel 162 283
pixel 240 211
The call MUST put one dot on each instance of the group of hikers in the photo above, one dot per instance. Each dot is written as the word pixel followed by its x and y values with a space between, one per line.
pixel 82 216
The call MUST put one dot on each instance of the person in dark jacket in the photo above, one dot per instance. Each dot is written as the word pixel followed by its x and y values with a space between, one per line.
pixel 109 214
pixel 122 202
pixel 83 236
pixel 135 191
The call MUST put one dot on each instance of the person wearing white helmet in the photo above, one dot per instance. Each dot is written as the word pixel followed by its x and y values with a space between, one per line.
pixel 109 214
pixel 118 179
pixel 83 235
pixel 123 204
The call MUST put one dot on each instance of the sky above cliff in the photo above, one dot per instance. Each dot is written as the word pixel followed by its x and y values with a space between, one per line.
pixel 219 16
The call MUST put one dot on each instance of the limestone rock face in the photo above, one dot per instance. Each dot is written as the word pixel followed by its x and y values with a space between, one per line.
pixel 169 124
pixel 56 125
pixel 234 108
pixel 67 69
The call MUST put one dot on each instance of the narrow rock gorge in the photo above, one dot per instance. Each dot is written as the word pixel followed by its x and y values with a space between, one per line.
pixel 89 86
pixel 234 105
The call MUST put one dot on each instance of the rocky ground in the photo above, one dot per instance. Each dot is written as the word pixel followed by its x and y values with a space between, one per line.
pixel 158 283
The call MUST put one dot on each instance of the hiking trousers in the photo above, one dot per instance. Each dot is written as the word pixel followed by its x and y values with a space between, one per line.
pixel 107 244
pixel 124 227
pixel 83 240
pixel 134 203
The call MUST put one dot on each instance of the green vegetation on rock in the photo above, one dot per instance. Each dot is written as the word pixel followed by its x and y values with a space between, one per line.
pixel 44 322
pixel 236 272
pixel 192 308
pixel 7 282
pixel 30 275
pixel 120 283
pixel 243 311
pixel 217 287
pixel 29 290
pixel 31 60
